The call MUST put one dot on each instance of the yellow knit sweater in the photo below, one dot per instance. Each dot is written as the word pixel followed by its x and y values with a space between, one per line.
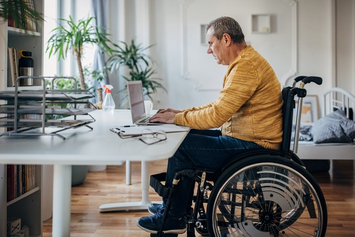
pixel 249 106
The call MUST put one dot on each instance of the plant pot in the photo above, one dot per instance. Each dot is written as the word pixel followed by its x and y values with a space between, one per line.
pixel 79 173
pixel 96 168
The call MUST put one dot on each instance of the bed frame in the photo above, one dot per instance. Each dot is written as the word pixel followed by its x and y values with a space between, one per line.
pixel 336 98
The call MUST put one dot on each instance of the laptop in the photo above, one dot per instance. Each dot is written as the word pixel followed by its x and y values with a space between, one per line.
pixel 136 103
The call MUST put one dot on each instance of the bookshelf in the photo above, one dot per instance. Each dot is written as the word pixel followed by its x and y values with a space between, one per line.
pixel 27 205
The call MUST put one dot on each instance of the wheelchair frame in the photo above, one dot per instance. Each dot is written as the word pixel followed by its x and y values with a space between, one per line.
pixel 256 168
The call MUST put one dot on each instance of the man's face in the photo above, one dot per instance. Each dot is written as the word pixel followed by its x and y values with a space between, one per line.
pixel 215 47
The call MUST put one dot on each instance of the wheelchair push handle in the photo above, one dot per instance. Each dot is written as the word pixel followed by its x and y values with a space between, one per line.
pixel 299 78
pixel 307 79
pixel 317 80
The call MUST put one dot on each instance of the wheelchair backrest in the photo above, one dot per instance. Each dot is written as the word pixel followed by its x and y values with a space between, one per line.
pixel 288 96
pixel 287 117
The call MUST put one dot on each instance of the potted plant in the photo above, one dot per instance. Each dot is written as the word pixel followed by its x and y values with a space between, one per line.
pixel 74 36
pixel 140 66
pixel 19 11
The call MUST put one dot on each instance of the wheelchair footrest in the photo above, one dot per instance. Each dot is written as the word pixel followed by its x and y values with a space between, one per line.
pixel 160 189
pixel 164 235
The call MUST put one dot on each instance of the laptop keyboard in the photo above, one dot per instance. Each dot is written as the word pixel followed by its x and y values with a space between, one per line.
pixel 146 120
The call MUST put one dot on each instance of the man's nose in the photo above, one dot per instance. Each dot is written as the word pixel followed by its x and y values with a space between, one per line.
pixel 209 51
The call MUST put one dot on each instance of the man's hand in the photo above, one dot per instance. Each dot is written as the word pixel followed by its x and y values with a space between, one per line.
pixel 165 116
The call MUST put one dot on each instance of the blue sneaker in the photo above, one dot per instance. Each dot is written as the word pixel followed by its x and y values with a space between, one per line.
pixel 154 208
pixel 152 224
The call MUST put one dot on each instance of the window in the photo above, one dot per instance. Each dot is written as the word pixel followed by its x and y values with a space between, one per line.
pixel 78 9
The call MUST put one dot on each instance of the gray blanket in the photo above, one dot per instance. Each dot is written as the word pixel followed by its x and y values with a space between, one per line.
pixel 334 127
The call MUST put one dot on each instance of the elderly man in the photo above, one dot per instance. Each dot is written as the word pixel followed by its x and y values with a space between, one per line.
pixel 247 114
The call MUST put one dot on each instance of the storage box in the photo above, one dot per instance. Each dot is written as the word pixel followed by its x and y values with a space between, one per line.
pixel 25 231
pixel 13 226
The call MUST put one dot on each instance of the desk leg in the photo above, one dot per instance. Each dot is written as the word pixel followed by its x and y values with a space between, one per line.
pixel 61 200
pixel 128 172
pixel 133 206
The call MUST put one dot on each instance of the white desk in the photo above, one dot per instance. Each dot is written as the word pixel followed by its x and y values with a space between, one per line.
pixel 85 147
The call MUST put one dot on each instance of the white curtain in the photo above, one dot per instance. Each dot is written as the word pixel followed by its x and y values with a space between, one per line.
pixel 100 12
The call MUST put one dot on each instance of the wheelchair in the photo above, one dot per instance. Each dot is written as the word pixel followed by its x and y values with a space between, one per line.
pixel 260 193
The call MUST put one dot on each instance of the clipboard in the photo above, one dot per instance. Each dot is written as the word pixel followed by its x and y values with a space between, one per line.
pixel 127 132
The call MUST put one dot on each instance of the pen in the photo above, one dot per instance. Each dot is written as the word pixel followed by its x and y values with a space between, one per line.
pixel 128 126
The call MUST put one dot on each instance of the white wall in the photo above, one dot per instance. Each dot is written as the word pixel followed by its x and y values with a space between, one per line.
pixel 301 42
pixel 196 78
pixel 315 42
pixel 345 41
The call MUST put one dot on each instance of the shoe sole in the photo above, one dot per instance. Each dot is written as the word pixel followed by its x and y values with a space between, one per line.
pixel 180 231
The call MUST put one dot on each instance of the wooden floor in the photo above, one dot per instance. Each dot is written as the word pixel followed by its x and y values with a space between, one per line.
pixel 109 187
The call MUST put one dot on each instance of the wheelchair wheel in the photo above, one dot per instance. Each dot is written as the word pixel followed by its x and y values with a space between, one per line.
pixel 266 196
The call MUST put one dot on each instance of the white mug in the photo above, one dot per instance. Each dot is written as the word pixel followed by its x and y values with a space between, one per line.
pixel 148 106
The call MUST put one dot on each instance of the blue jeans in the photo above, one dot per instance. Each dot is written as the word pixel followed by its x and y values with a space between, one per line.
pixel 201 148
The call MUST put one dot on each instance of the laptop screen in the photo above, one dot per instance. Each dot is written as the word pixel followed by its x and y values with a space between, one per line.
pixel 136 99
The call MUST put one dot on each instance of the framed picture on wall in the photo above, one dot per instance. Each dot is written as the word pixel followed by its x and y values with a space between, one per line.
pixel 310 108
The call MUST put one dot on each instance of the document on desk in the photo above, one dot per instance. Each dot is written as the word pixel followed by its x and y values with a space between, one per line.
pixel 140 130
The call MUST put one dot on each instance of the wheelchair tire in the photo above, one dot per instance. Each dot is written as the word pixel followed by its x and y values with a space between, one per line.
pixel 266 195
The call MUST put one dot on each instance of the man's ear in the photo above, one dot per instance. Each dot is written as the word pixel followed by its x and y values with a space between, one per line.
pixel 227 39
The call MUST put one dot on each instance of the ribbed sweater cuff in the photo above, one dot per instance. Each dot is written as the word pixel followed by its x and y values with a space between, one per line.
pixel 178 118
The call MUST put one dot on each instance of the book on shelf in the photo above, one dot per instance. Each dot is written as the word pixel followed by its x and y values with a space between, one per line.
pixel 28 23
pixel 20 179
pixel 10 21
pixel 13 65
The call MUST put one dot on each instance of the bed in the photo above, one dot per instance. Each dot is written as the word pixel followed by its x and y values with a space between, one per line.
pixel 334 99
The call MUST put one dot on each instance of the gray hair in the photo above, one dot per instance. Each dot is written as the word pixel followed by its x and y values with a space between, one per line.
pixel 227 25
